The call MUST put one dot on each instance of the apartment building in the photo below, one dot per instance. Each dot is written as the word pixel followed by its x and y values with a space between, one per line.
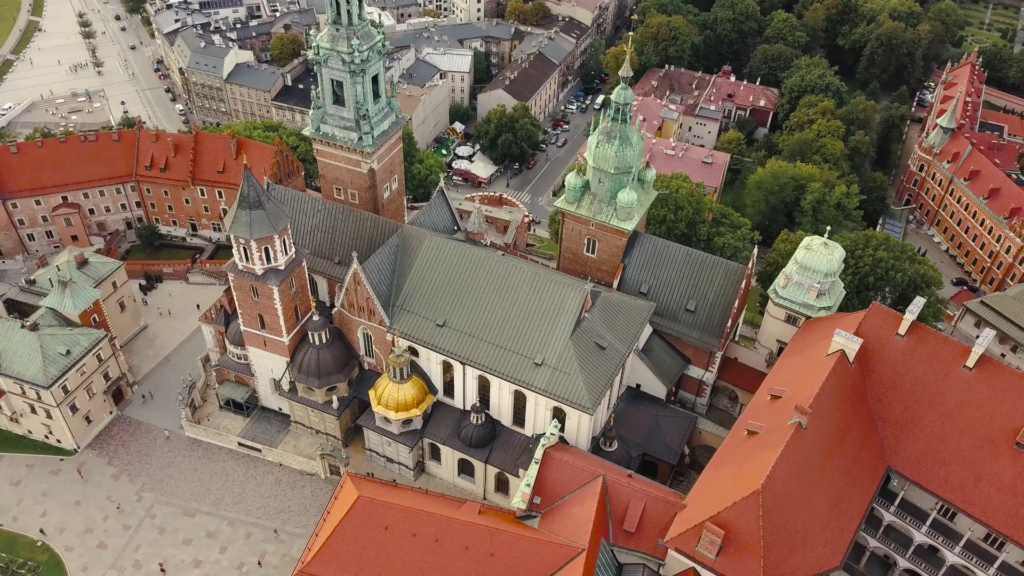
pixel 498 39
pixel 399 10
pixel 456 69
pixel 564 44
pixel 60 382
pixel 1002 312
pixel 199 69
pixel 292 101
pixel 964 185
pixel 250 89
pixel 533 80
pixel 425 99
pixel 597 14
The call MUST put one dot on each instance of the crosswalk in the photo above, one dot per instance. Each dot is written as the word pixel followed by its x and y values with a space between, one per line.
pixel 521 196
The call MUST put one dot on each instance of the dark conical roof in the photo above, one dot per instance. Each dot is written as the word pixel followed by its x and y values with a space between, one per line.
pixel 477 435
pixel 255 213
pixel 234 332
pixel 323 365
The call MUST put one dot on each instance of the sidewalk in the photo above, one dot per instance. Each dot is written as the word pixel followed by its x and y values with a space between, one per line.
pixel 19 27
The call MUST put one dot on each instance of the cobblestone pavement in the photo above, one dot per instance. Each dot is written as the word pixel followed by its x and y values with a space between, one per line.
pixel 197 508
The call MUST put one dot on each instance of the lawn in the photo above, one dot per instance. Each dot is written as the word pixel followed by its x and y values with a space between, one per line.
pixel 140 252
pixel 543 244
pixel 26 37
pixel 37 8
pixel 11 443
pixel 5 67
pixel 8 16
pixel 751 316
pixel 222 253
pixel 24 548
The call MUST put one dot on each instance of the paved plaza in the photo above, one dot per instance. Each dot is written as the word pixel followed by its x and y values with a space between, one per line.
pixel 197 508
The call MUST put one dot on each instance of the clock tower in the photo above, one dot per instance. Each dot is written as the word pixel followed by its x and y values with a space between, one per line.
pixel 355 120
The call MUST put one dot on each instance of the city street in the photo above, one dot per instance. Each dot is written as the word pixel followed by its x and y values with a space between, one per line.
pixel 127 75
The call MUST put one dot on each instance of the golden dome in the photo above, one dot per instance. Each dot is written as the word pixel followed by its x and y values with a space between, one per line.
pixel 400 393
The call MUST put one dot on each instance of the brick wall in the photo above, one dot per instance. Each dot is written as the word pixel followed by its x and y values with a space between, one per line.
pixel 358 178
pixel 169 269
pixel 276 304
pixel 356 310
pixel 611 244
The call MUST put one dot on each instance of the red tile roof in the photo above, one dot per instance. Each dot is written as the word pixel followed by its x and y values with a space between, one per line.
pixel 740 375
pixel 667 157
pixel 676 86
pixel 965 76
pixel 581 517
pixel 564 469
pixel 376 527
pixel 1002 154
pixel 56 165
pixel 1014 124
pixel 745 94
pixel 984 179
pixel 962 296
pixel 904 404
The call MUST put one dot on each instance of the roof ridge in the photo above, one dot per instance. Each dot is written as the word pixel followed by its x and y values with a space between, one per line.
pixel 641 485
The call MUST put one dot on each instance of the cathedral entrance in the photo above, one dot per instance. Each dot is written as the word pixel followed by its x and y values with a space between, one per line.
pixel 236 398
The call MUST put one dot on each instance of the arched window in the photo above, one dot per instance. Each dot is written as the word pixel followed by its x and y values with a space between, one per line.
pixel 501 483
pixel 366 342
pixel 255 292
pixel 483 391
pixel 298 315
pixel 268 257
pixel 284 246
pixel 466 470
pixel 590 246
pixel 519 409
pixel 558 414
pixel 245 255
pixel 434 452
pixel 414 352
pixel 314 289
pixel 406 423
pixel 262 323
pixel 447 379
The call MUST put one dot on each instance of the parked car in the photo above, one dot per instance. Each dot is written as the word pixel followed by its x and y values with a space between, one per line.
pixel 960 281
pixel 167 89
pixel 553 139
pixel 557 124
pixel 516 169
pixel 542 147
pixel 604 78
pixel 184 120
pixel 563 142
pixel 117 16
pixel 160 75
pixel 179 109
pixel 123 28
pixel 565 120
pixel 571 107
pixel 579 95
pixel 531 163
pixel 583 108
pixel 171 97
pixel 131 46
pixel 588 99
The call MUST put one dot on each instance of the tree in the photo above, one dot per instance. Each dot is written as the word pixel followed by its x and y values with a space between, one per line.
pixel 813 23
pixel 284 48
pixel 126 122
pixel 481 69
pixel 666 40
pixel 813 135
pixel 683 214
pixel 892 122
pixel 771 62
pixel 860 114
pixel 514 11
pixel 267 131
pixel 591 66
pixel 729 33
pixel 948 18
pixel 874 187
pixel 860 153
pixel 893 55
pixel 809 75
pixel 777 258
pixel 423 169
pixel 999 61
pixel 148 234
pixel 880 268
pixel 648 8
pixel 555 225
pixel 837 207
pixel 461 113
pixel 6 134
pixel 39 132
pixel 508 135
pixel 613 59
pixel 733 142
pixel 784 28
pixel 134 6
pixel 87 33
pixel 535 13
pixel 775 191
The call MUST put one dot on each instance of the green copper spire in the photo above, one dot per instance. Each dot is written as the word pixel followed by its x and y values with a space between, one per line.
pixel 353 104
pixel 810 284
pixel 944 126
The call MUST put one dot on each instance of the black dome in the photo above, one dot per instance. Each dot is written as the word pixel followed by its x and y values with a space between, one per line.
pixel 477 435
pixel 317 324
pixel 619 456
pixel 322 365
pixel 234 333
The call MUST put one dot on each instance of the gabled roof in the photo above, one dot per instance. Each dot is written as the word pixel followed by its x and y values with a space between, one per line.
pixel 564 470
pixel 581 517
pixel 437 215
pixel 376 527
pixel 92 273
pixel 42 356
pixel 255 213
pixel 1003 310
pixel 774 493
pixel 651 426
pixel 419 73
pixel 996 192
pixel 68 296
pixel 523 80
pixel 332 231
pixel 36 168
pixel 547 345
pixel 677 278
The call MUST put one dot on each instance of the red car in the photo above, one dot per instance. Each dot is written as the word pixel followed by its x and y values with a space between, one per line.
pixel 531 163
pixel 557 124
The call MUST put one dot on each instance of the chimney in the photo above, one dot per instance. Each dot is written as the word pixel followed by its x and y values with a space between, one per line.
pixel 814 291
pixel 710 543
pixel 912 311
pixel 13 146
pixel 39 141
pixel 31 326
pixel 979 347
pixel 751 428
pixel 113 136
pixel 170 144
pixel 776 392
pixel 801 414
pixel 234 144
pixel 80 259
pixel 846 342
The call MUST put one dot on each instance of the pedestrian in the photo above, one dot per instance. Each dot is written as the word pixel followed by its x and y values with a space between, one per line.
pixel 143 398
pixel 43 532
pixel 150 394
pixel 275 533
pixel 167 434
pixel 168 311
pixel 159 311
pixel 80 473
pixel 144 301
pixel 198 309
pixel 58 60
pixel 259 563
pixel 119 507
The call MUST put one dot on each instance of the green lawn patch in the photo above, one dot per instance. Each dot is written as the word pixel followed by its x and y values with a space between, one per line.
pixel 11 443
pixel 24 547
pixel 140 252
pixel 5 67
pixel 37 8
pixel 543 244
pixel 8 16
pixel 222 253
pixel 751 315
pixel 26 37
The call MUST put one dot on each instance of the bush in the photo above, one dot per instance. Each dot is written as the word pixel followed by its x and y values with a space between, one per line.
pixel 147 277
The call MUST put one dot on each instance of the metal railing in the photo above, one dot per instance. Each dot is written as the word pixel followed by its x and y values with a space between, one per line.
pixel 906 517
pixel 920 563
pixel 973 559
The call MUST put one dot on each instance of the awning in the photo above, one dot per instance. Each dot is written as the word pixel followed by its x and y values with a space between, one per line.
pixel 234 391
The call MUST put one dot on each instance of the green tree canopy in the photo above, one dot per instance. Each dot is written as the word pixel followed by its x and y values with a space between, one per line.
pixel 284 48
pixel 771 62
pixel 423 169
pixel 684 215
pixel 775 191
pixel 514 10
pixel 613 59
pixel 949 19
pixel 481 68
pixel 555 224
pixel 148 234
pixel 777 258
pixel 892 122
pixel 508 135
pixel 126 122
pixel 461 113
pixel 266 131
pixel 134 6
pixel 999 64
pixel 808 76
pixel 893 55
pixel 535 12
pixel 648 8
pixel 39 132
pixel 667 40
pixel 838 207
pixel 784 28
pixel 733 142
pixel 729 33
pixel 591 66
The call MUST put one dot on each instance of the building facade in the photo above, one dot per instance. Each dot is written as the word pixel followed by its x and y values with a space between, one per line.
pixel 1000 312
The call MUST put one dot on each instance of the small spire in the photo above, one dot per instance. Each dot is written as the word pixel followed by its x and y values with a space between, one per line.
pixel 948 120
pixel 626 72
pixel 245 161
pixel 827 230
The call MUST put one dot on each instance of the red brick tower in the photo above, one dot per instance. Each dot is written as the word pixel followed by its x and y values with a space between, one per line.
pixel 268 278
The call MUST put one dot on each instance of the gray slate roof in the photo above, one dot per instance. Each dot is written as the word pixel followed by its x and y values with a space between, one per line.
pixel 41 358
pixel 667 363
pixel 419 73
pixel 437 215
pixel 455 34
pixel 510 451
pixel 677 277
pixel 255 213
pixel 300 93
pixel 508 317
pixel 200 55
pixel 254 77
pixel 650 426
pixel 332 231
pixel 524 82
pixel 1003 310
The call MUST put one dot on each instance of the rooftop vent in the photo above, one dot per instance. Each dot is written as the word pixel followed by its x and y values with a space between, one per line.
pixel 752 427
pixel 801 414
pixel 710 543
pixel 539 360
pixel 31 326
pixel 846 342
pixel 80 259
pixel 776 392
pixel 645 288
pixel 440 323
pixel 691 306
pixel 1019 444
pixel 601 344
pixel 979 347
pixel 908 318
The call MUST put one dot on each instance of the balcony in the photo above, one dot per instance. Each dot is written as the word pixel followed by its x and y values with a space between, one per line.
pixel 927 558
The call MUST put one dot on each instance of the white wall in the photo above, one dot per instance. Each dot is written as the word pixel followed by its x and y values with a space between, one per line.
pixel 637 372
pixel 487 101
pixel 266 366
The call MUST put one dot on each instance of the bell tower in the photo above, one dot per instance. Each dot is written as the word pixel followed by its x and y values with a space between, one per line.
pixel 355 120
pixel 269 281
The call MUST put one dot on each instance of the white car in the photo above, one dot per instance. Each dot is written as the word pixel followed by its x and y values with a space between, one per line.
pixel 572 107
pixel 180 109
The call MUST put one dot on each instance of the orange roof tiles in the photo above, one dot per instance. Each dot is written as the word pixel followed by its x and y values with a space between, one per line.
pixel 1014 124
pixel 984 179
pixel 745 94
pixel 903 404
pixel 375 527
pixel 581 517
pixel 564 469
